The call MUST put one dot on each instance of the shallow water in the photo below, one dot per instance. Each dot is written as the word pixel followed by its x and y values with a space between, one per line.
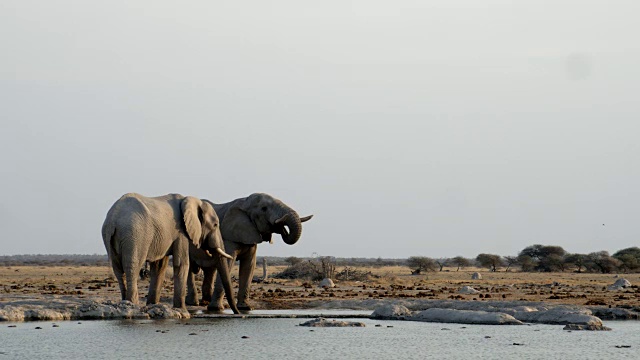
pixel 282 339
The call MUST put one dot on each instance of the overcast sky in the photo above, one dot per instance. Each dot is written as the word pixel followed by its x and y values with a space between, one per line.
pixel 434 128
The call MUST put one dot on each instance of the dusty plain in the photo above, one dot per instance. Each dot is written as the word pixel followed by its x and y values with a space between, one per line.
pixel 98 283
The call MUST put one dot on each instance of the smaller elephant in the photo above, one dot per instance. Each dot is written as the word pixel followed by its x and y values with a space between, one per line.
pixel 139 229
pixel 244 223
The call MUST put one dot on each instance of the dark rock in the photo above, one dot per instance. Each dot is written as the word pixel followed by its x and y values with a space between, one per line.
pixel 590 327
pixel 322 322
pixel 606 313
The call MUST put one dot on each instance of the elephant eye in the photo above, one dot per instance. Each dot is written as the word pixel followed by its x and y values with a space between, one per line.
pixel 264 208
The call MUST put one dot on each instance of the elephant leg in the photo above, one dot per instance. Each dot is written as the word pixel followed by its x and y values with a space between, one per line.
pixel 192 290
pixel 119 274
pixel 247 266
pixel 218 292
pixel 180 273
pixel 207 284
pixel 131 277
pixel 156 278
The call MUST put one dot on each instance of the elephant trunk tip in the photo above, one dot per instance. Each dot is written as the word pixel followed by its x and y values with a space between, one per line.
pixel 291 233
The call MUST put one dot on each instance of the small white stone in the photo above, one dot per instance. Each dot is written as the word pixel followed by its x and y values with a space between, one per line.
pixel 326 282
pixel 620 284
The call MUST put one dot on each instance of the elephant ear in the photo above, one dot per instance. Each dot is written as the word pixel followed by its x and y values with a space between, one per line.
pixel 238 227
pixel 192 216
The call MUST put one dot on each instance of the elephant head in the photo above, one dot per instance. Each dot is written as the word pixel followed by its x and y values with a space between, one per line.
pixel 203 227
pixel 253 219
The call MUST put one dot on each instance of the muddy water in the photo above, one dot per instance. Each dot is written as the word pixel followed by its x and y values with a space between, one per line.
pixel 283 339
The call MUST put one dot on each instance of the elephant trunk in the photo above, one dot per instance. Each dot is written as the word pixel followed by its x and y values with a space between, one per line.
pixel 291 227
pixel 223 270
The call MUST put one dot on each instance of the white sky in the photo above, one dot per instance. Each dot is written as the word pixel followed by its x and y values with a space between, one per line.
pixel 434 128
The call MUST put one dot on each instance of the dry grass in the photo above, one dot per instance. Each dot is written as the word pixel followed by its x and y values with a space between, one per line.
pixel 387 282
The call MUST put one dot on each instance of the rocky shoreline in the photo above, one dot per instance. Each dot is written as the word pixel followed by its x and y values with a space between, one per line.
pixel 69 308
pixel 495 314
pixel 443 311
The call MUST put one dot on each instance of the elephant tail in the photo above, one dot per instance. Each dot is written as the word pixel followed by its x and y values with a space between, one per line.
pixel 108 232
pixel 110 224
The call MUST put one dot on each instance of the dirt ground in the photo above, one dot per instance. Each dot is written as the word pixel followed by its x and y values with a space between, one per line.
pixel 40 282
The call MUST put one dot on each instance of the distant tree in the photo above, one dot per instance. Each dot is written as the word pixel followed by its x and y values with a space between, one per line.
pixel 629 259
pixel 422 263
pixel 602 262
pixel 292 260
pixel 545 257
pixel 491 261
pixel 509 261
pixel 527 263
pixel 442 262
pixel 628 262
pixel 635 251
pixel 553 262
pixel 379 262
pixel 460 262
pixel 578 261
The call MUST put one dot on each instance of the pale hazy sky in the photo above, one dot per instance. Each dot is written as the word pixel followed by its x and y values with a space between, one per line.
pixel 434 128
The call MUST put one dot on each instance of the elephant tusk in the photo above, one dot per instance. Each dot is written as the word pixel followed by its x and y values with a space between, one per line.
pixel 223 253
pixel 208 253
pixel 282 219
pixel 306 218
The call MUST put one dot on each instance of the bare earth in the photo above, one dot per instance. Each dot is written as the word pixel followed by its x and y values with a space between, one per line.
pixel 36 283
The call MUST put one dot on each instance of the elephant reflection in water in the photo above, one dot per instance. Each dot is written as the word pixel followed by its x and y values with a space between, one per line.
pixel 244 223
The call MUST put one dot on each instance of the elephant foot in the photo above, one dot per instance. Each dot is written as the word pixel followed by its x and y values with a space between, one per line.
pixel 244 307
pixel 216 309
pixel 191 299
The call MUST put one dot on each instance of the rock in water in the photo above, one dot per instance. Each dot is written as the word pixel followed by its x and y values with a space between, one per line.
pixel 390 311
pixel 326 282
pixel 476 276
pixel 465 317
pixel 592 327
pixel 560 316
pixel 614 313
pixel 322 322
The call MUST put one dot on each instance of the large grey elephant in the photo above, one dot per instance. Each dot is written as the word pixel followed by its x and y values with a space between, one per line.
pixel 139 229
pixel 244 223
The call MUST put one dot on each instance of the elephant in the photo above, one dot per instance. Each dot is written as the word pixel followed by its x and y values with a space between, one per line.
pixel 139 229
pixel 244 223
